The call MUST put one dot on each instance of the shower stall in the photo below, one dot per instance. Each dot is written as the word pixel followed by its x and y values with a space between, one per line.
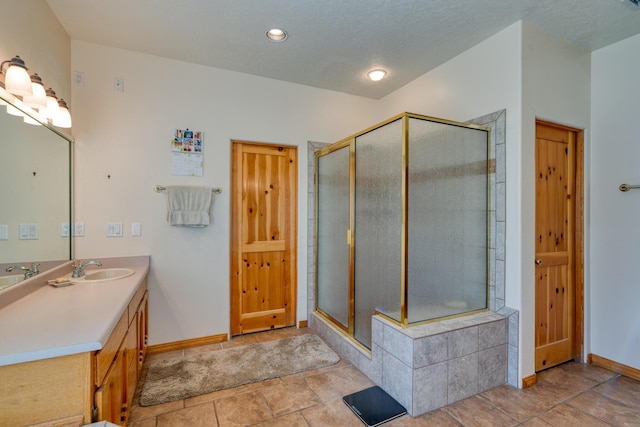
pixel 402 224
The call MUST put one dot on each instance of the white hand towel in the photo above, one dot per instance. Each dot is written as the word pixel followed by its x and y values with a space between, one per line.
pixel 188 206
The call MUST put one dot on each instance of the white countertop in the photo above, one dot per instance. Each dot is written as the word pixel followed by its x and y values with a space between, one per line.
pixel 52 322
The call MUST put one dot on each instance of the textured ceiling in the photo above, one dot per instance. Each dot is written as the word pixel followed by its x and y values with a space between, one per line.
pixel 333 43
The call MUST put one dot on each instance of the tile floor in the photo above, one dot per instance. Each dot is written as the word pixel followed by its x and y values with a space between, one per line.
pixel 568 395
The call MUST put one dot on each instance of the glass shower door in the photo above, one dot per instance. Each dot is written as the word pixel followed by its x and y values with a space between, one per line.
pixel 378 227
pixel 333 228
pixel 447 248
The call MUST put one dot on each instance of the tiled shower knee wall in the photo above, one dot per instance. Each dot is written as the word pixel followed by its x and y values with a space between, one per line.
pixel 497 122
pixel 428 366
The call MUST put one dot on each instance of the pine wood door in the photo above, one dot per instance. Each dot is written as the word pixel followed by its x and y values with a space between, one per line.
pixel 556 249
pixel 263 237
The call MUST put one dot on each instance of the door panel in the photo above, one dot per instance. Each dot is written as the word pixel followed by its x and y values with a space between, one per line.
pixel 555 245
pixel 263 241
pixel 333 235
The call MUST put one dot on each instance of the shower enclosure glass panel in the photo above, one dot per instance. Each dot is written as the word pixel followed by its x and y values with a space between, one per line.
pixel 447 244
pixel 378 227
pixel 413 191
pixel 333 196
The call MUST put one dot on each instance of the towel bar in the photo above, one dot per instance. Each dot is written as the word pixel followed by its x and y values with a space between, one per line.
pixel 627 187
pixel 159 188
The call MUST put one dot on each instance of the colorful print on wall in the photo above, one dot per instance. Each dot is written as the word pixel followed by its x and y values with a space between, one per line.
pixel 187 156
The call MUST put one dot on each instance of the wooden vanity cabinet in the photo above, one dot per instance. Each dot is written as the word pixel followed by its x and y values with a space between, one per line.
pixel 119 363
pixel 109 397
pixel 53 392
pixel 80 388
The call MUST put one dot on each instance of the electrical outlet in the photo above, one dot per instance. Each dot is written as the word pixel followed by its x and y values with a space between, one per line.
pixel 118 84
pixel 65 231
pixel 114 229
pixel 78 229
pixel 78 78
pixel 4 232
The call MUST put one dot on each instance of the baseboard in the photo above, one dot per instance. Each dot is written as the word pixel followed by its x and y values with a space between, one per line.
pixel 181 345
pixel 529 381
pixel 303 324
pixel 625 370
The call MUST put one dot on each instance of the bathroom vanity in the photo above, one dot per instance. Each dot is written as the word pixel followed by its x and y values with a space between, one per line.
pixel 72 355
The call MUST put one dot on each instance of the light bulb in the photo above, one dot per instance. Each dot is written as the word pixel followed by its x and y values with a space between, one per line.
pixel 52 109
pixel 16 78
pixel 277 35
pixel 63 118
pixel 376 75
pixel 39 98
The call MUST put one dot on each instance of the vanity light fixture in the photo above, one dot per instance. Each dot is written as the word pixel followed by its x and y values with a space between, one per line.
pixel 377 74
pixel 26 97
pixel 15 111
pixel 63 118
pixel 277 35
pixel 53 108
pixel 16 77
pixel 39 98
pixel 31 121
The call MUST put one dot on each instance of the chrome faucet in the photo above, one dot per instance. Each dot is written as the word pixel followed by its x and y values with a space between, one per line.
pixel 28 271
pixel 78 267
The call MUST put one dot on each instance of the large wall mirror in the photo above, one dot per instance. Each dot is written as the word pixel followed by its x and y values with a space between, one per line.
pixel 35 192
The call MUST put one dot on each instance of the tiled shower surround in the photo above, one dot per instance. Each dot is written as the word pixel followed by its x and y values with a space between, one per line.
pixel 428 366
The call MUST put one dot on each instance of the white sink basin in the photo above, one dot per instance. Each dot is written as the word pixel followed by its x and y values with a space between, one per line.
pixel 104 275
pixel 6 281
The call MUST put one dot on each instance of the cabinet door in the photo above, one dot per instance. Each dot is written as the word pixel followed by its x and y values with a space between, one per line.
pixel 131 362
pixel 110 396
pixel 143 331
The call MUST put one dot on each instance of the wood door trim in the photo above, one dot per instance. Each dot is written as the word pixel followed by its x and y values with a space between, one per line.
pixel 578 249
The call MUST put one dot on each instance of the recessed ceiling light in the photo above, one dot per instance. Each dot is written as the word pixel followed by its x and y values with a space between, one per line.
pixel 376 75
pixel 277 35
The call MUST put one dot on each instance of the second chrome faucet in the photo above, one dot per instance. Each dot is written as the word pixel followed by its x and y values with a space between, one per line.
pixel 78 267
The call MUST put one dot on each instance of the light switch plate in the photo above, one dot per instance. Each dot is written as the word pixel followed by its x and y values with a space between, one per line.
pixel 114 229
pixel 28 232
pixel 136 230
pixel 4 232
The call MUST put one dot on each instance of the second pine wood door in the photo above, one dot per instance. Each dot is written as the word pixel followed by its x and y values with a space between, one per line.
pixel 263 237
pixel 556 196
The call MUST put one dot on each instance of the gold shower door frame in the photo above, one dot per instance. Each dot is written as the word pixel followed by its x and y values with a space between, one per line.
pixel 351 143
pixel 348 142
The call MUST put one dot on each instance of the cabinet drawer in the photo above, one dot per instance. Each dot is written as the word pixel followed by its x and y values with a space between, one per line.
pixel 105 356
pixel 135 301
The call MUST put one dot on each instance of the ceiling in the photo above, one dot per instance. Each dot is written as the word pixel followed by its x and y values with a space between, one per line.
pixel 333 43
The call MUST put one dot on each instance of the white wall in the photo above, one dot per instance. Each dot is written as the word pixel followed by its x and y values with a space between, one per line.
pixel 126 135
pixel 615 232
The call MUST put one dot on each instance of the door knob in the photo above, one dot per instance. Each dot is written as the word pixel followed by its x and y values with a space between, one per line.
pixel 538 261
